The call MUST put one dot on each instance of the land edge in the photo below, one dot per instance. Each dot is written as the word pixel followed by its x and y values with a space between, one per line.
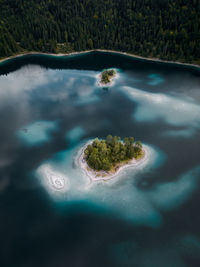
pixel 102 50
pixel 92 174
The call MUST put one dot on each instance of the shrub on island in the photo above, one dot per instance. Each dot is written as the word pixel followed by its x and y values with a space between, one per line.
pixel 107 154
pixel 106 76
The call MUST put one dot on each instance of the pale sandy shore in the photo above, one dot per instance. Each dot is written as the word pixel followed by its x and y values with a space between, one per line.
pixel 102 50
pixel 102 175
pixel 148 58
pixel 45 54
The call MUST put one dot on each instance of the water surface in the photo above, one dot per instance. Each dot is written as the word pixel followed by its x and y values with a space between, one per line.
pixel 148 216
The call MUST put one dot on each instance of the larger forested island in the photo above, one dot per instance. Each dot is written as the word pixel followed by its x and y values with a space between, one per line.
pixel 166 29
pixel 112 152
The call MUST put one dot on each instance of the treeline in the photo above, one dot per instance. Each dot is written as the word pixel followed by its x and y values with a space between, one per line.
pixel 105 154
pixel 167 29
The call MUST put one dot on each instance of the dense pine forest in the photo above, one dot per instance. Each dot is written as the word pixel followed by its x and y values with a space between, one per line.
pixel 106 154
pixel 167 29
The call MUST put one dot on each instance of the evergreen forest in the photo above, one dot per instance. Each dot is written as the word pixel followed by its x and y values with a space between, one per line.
pixel 166 29
pixel 106 76
pixel 106 154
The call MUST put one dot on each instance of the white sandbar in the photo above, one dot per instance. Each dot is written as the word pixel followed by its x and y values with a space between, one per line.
pixel 52 179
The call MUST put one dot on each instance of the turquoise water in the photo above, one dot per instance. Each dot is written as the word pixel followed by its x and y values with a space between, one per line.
pixel 148 215
pixel 36 133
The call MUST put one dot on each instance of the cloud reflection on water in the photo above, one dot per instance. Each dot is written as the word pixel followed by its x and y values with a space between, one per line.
pixel 172 110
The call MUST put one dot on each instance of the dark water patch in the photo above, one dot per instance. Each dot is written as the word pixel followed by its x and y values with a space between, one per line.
pixel 94 61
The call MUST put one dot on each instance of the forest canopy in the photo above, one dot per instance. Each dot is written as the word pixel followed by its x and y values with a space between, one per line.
pixel 166 29
pixel 106 154
pixel 107 75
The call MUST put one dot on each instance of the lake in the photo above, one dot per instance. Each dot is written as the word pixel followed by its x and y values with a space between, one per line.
pixel 147 216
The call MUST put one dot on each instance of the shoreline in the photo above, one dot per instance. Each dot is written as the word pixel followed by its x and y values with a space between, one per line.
pixel 94 175
pixel 101 50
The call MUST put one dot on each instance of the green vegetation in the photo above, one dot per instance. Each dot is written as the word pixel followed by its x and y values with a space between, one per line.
pixel 106 76
pixel 167 29
pixel 108 154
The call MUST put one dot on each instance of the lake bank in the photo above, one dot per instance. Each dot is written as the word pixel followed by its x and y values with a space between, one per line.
pixel 101 50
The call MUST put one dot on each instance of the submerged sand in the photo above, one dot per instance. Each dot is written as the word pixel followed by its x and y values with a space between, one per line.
pixel 53 179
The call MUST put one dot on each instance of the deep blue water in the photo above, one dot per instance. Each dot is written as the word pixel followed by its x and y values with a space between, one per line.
pixel 148 216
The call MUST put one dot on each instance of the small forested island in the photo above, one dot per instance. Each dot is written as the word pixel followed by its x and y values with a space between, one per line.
pixel 107 154
pixel 102 159
pixel 106 77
